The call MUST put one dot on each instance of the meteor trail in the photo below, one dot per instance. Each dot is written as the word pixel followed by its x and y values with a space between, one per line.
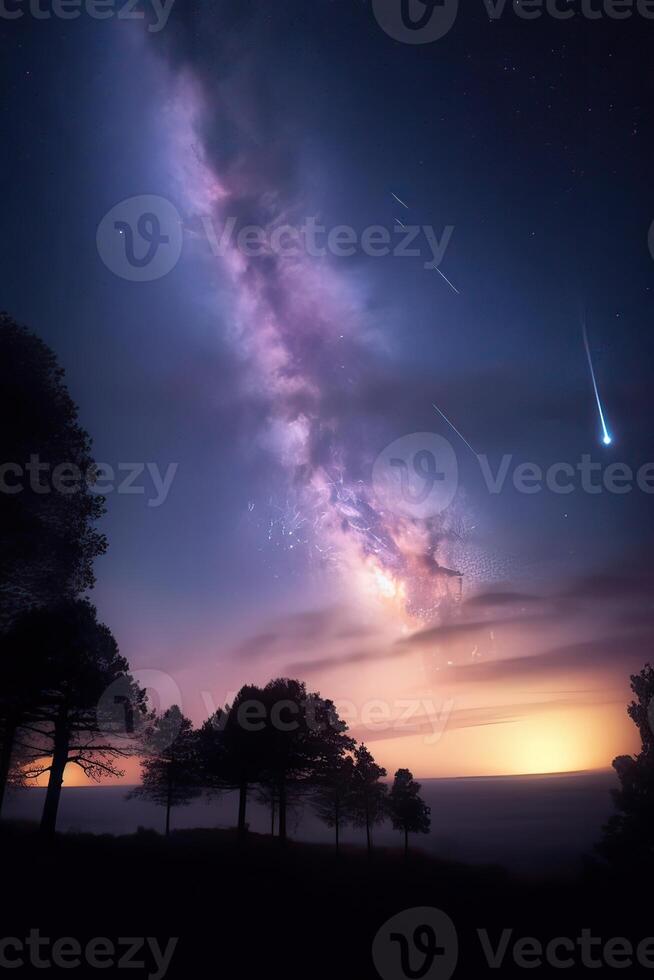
pixel 606 438
pixel 402 225
pixel 462 438
pixel 448 281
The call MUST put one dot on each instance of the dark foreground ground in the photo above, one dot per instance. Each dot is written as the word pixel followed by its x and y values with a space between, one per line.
pixel 262 910
pixel 532 823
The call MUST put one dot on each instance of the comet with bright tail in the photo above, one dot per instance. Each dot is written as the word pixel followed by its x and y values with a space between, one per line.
pixel 607 438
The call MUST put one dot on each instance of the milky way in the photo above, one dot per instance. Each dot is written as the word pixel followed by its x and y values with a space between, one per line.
pixel 306 341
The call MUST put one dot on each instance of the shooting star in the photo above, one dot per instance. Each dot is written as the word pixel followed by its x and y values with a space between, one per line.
pixel 606 437
pixel 448 281
pixel 454 428
pixel 402 225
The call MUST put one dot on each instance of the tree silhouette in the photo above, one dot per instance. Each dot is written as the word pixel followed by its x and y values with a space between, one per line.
pixel 169 769
pixel 279 738
pixel 369 793
pixel 80 662
pixel 233 748
pixel 407 810
pixel 303 739
pixel 332 799
pixel 47 539
pixel 629 834
pixel 23 670
pixel 267 794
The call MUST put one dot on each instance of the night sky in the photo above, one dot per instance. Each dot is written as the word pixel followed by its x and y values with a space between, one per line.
pixel 274 384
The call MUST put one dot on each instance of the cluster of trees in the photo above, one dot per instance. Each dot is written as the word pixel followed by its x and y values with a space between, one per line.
pixel 287 744
pixel 57 659
pixel 67 696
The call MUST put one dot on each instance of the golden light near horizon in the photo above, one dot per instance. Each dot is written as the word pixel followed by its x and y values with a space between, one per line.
pixel 584 737
pixel 74 777
pixel 558 740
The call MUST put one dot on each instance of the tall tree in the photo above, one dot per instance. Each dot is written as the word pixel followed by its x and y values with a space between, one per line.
pixel 332 799
pixel 304 739
pixel 369 793
pixel 233 748
pixel 267 794
pixel 23 667
pixel 407 810
pixel 170 765
pixel 279 738
pixel 48 541
pixel 80 662
pixel 629 834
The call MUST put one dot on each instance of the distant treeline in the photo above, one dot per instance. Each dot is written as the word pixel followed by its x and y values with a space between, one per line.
pixel 67 696
pixel 289 745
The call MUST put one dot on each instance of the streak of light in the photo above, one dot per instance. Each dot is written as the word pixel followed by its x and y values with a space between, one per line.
pixel 461 437
pixel 606 437
pixel 448 281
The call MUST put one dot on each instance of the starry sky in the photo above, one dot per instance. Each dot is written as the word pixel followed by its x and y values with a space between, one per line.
pixel 273 384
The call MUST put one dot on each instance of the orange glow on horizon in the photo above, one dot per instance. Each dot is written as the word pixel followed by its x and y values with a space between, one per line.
pixel 564 740
pixel 74 776
pixel 558 741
